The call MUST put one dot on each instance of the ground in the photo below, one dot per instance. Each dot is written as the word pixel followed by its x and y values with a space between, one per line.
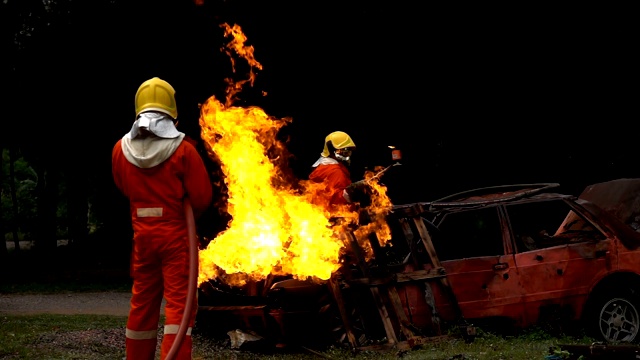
pixel 98 303
pixel 83 344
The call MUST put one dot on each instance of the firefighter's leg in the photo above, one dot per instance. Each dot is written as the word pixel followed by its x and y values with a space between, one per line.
pixel 144 315
pixel 176 277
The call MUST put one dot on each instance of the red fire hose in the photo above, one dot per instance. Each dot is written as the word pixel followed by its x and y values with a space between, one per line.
pixel 193 278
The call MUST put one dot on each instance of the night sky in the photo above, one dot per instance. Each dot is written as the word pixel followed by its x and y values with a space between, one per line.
pixel 473 95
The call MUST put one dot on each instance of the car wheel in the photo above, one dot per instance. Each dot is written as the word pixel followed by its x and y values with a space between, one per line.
pixel 618 319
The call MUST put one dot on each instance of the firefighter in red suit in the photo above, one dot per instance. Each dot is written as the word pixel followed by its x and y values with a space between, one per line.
pixel 332 169
pixel 157 168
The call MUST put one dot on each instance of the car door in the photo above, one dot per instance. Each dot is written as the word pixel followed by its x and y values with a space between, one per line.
pixel 558 254
pixel 471 247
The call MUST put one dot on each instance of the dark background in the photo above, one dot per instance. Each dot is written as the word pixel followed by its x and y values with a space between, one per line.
pixel 473 95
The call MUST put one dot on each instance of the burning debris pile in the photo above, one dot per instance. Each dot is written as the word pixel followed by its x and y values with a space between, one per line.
pixel 276 228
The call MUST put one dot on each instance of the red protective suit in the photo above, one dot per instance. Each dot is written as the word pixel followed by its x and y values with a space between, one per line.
pixel 156 186
pixel 336 178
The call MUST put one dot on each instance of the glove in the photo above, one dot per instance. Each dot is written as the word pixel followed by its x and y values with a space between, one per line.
pixel 359 191
pixel 357 186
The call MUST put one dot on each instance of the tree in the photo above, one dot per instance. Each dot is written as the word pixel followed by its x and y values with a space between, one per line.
pixel 14 197
pixel 18 206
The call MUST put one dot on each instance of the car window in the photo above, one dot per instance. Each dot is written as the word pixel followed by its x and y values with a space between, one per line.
pixel 469 233
pixel 539 225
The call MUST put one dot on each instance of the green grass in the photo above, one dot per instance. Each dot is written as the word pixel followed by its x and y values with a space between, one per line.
pixel 50 337
pixel 102 337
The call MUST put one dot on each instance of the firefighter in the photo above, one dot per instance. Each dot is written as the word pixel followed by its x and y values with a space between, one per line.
pixel 157 169
pixel 332 169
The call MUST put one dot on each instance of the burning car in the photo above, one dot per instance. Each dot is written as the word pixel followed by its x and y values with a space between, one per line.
pixel 523 254
pixel 288 270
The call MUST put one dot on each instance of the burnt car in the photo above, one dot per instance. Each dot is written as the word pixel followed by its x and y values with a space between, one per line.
pixel 517 255
pixel 527 255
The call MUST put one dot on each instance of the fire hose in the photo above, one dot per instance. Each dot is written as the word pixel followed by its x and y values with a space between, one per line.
pixel 369 180
pixel 193 278
pixel 379 173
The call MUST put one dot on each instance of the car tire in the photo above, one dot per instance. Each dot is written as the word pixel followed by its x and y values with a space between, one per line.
pixel 616 318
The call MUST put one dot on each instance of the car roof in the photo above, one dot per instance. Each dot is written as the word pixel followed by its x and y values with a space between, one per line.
pixel 493 194
pixel 482 196
pixel 591 199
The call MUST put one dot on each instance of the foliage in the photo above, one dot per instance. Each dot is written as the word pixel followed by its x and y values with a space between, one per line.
pixel 25 182
pixel 26 219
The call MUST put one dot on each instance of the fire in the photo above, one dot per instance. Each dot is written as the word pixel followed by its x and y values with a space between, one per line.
pixel 377 211
pixel 237 45
pixel 276 227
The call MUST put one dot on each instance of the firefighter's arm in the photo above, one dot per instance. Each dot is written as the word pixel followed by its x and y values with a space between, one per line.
pixel 357 191
pixel 336 183
pixel 116 153
pixel 196 182
pixel 356 186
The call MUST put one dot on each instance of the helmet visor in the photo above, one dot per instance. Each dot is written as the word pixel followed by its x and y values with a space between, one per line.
pixel 344 154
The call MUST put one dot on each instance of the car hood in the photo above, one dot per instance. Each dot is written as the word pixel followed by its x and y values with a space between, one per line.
pixel 620 198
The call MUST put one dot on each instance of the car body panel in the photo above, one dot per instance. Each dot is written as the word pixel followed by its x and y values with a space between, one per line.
pixel 529 281
pixel 561 275
pixel 486 286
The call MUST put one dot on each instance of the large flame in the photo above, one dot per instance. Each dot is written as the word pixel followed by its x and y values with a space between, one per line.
pixel 274 229
pixel 277 226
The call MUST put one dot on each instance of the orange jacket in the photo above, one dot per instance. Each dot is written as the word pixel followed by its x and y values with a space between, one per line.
pixel 164 186
pixel 336 178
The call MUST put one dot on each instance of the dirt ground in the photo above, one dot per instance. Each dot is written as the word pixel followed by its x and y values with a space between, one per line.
pixel 98 303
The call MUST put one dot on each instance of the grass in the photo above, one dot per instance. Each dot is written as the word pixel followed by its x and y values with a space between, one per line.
pixel 102 337
pixel 56 337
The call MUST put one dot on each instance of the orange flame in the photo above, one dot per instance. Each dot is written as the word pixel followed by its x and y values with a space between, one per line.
pixel 277 227
pixel 377 211
pixel 274 229
pixel 245 52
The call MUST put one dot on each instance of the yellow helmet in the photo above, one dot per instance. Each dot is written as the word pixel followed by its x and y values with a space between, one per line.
pixel 156 94
pixel 339 140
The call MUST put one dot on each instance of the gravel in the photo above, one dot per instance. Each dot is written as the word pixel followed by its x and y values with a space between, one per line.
pixel 97 303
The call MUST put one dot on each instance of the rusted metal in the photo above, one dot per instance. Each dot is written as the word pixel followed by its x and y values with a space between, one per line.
pixel 428 244
pixel 492 194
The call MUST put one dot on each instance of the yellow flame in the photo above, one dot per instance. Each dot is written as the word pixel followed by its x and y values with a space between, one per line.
pixel 377 212
pixel 277 226
pixel 274 230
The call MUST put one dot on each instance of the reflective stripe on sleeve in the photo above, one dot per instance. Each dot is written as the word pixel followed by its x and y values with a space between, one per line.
pixel 173 329
pixel 149 212
pixel 141 335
